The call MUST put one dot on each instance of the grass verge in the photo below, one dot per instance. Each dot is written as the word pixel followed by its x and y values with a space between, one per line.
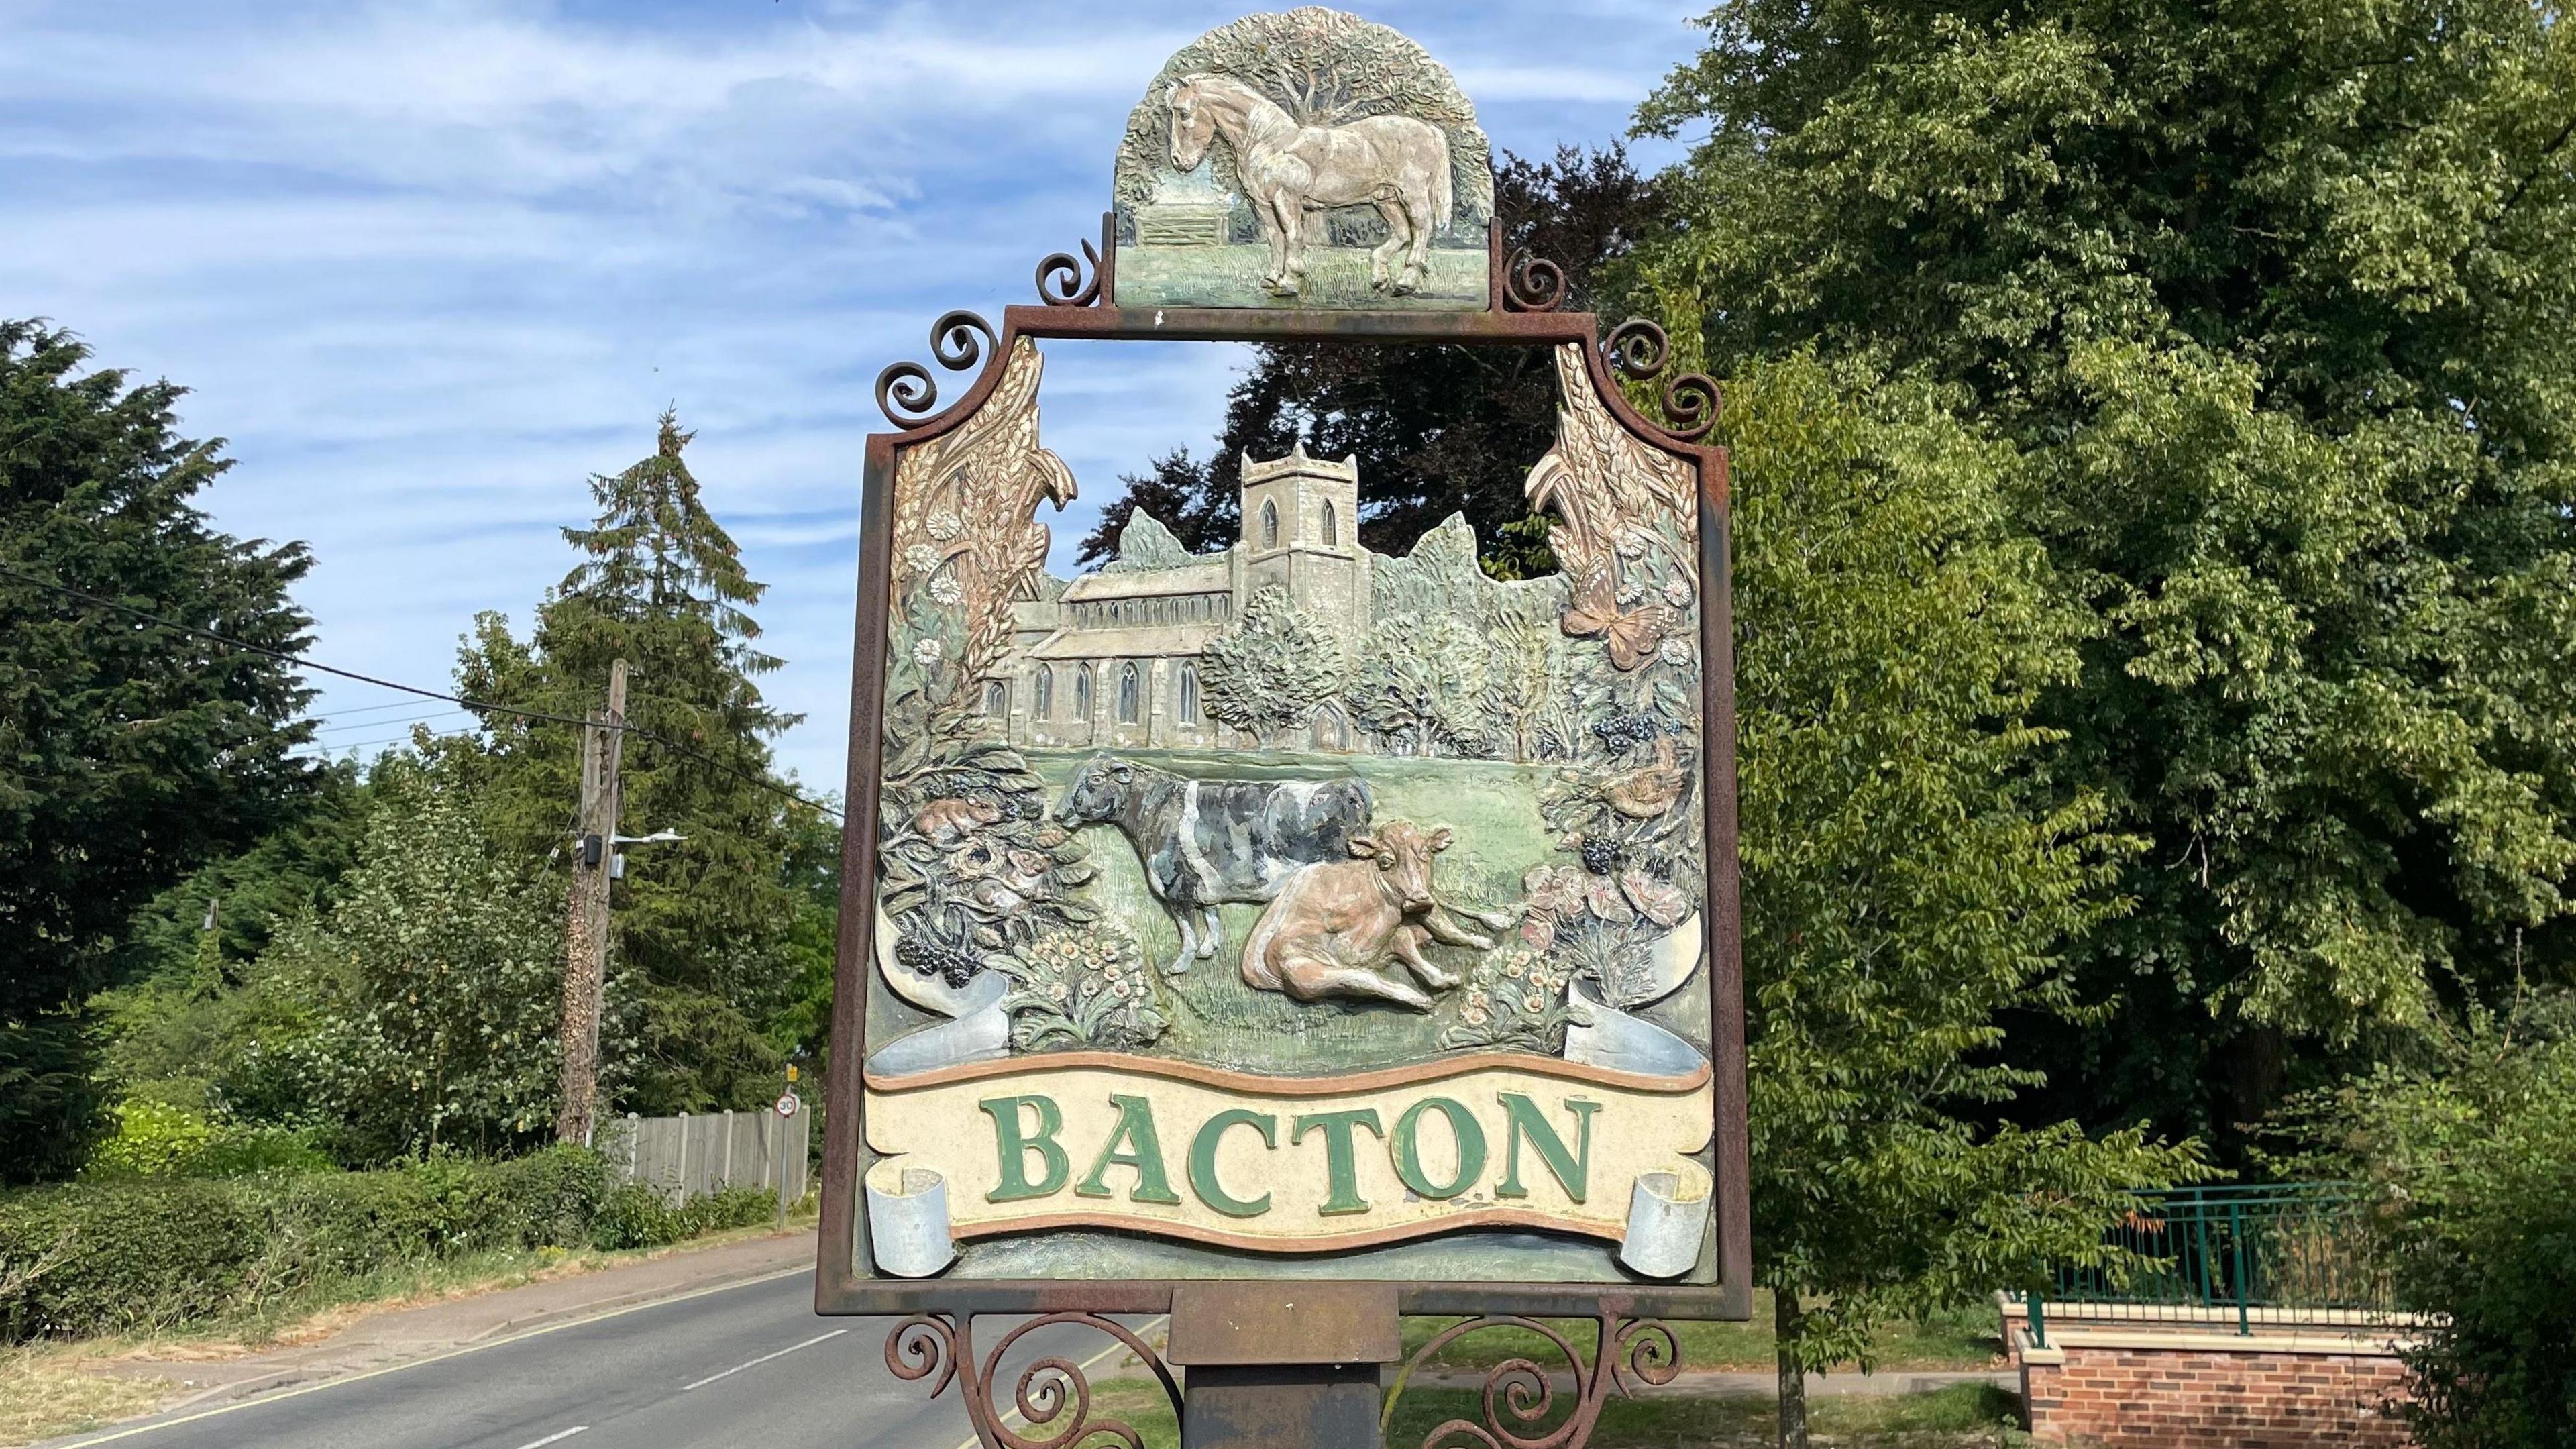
pixel 42 1395
pixel 1960 1340
pixel 1963 1416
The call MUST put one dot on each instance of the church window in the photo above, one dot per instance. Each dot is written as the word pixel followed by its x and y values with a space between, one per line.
pixel 1269 525
pixel 1189 694
pixel 1046 693
pixel 1128 695
pixel 1082 694
pixel 1332 526
pixel 997 697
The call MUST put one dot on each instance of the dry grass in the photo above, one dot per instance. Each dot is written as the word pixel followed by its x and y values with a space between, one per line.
pixel 45 1393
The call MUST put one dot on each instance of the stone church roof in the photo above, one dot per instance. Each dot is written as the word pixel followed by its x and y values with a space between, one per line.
pixel 1140 641
pixel 1211 577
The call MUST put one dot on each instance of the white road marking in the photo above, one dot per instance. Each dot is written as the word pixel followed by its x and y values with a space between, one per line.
pixel 1085 1367
pixel 555 1437
pixel 755 1363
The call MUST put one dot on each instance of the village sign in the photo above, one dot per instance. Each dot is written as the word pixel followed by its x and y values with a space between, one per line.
pixel 1292 914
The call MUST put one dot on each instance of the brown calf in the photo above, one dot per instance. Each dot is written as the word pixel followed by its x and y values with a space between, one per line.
pixel 1335 924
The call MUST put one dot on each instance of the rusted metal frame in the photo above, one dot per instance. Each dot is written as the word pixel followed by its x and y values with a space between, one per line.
pixel 1048 1390
pixel 1626 1351
pixel 838 1289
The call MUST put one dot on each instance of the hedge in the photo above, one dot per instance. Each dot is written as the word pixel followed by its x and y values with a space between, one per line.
pixel 103 1257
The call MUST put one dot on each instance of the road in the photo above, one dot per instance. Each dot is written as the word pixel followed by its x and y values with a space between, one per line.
pixel 747 1365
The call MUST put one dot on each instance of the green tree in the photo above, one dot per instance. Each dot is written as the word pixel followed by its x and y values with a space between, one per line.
pixel 2273 299
pixel 699 945
pixel 1417 681
pixel 2470 1154
pixel 1909 874
pixel 291 871
pixel 420 1010
pixel 129 754
pixel 1267 673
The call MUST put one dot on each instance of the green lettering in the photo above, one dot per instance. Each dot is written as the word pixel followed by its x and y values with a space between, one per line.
pixel 1016 1146
pixel 1144 1153
pixel 1523 1119
pixel 1408 1157
pixel 1340 1165
pixel 1203 1161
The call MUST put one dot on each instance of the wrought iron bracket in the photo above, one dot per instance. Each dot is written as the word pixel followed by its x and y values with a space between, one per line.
pixel 1532 283
pixel 1638 349
pixel 1052 1396
pixel 1520 1395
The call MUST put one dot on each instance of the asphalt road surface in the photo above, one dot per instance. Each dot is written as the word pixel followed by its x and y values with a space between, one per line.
pixel 743 1367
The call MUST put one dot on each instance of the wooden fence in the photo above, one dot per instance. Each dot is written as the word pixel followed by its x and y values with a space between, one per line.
pixel 696 1154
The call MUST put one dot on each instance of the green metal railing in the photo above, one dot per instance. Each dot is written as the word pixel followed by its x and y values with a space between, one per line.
pixel 2219 1253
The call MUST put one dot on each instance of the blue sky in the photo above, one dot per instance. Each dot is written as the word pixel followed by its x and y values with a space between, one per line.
pixel 428 265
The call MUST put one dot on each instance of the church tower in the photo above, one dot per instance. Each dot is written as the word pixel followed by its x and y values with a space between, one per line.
pixel 1301 520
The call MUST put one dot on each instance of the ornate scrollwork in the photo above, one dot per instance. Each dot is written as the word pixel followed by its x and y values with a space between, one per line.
pixel 1052 1396
pixel 905 392
pixel 1520 1395
pixel 1080 284
pixel 1532 283
pixel 1638 348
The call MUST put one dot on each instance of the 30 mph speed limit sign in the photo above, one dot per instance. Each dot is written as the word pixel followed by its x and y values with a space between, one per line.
pixel 787 1104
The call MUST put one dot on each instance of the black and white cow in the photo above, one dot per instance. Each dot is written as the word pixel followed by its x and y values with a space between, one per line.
pixel 1205 842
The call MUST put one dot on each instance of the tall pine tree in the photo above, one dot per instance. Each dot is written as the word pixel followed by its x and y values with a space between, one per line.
pixel 700 954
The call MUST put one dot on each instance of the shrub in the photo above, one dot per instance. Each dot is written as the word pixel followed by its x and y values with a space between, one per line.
pixel 2473 1156
pixel 158 1139
pixel 148 1251
pixel 637 1216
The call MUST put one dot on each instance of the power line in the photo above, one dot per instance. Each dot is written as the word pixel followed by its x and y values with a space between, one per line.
pixel 377 724
pixel 368 709
pixel 480 706
pixel 387 740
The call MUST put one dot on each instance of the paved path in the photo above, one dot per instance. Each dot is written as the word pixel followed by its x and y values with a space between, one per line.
pixel 748 1365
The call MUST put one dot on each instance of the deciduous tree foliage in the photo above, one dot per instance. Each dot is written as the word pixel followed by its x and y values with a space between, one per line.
pixel 1268 672
pixel 700 952
pixel 420 1010
pixel 1910 872
pixel 129 754
pixel 2273 301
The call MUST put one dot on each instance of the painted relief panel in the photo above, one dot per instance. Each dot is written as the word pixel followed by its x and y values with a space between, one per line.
pixel 1310 159
pixel 1291 909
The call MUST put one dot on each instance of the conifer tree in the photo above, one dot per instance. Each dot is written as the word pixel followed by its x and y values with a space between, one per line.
pixel 130 754
pixel 699 952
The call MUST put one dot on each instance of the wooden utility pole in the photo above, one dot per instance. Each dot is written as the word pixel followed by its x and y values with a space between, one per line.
pixel 586 930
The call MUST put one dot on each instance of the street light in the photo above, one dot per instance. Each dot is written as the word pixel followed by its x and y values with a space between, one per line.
pixel 592 848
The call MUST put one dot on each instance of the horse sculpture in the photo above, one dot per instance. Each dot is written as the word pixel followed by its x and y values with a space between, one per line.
pixel 1395 163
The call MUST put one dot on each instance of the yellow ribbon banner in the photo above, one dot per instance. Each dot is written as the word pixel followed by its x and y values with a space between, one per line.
pixel 1287 1165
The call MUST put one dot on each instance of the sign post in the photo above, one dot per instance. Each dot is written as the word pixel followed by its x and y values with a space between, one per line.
pixel 1294 936
pixel 787 1106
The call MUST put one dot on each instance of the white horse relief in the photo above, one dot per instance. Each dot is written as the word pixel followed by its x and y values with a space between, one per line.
pixel 1395 163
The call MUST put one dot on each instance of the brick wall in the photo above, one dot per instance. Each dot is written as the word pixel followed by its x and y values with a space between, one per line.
pixel 2184 1393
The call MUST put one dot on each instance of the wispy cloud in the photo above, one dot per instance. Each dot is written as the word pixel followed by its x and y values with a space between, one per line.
pixel 430 265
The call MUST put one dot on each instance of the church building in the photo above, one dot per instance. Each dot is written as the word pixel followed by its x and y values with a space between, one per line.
pixel 1111 659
